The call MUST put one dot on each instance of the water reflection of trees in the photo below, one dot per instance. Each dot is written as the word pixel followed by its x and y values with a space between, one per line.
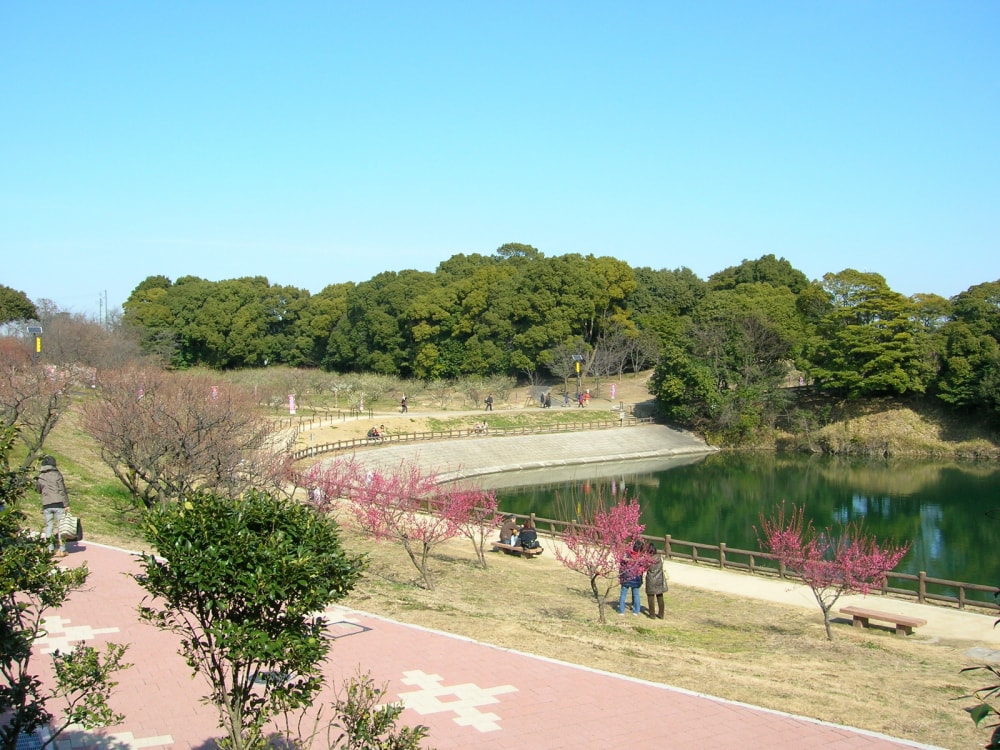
pixel 938 507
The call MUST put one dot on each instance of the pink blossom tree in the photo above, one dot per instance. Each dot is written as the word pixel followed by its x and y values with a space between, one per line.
pixel 599 542
pixel 328 481
pixel 475 512
pixel 400 506
pixel 831 563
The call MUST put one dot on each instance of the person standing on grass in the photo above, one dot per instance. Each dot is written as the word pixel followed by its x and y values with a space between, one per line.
pixel 489 402
pixel 55 500
pixel 630 578
pixel 656 582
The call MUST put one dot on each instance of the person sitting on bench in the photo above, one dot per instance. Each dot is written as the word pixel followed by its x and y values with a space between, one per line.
pixel 528 538
pixel 508 532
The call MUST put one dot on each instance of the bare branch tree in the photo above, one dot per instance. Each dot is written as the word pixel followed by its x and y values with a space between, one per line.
pixel 32 397
pixel 165 435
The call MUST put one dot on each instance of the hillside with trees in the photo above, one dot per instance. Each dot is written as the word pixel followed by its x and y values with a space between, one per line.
pixel 735 355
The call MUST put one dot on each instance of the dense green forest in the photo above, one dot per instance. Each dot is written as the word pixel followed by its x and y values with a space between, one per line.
pixel 724 349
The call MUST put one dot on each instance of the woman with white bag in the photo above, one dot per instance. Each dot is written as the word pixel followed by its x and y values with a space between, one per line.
pixel 55 502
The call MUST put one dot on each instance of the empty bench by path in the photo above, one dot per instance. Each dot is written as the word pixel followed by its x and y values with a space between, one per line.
pixel 904 623
pixel 510 549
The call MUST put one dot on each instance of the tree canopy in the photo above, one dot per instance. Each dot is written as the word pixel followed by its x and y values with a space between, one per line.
pixel 726 349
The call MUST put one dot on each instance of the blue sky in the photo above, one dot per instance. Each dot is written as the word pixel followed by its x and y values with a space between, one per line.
pixel 321 142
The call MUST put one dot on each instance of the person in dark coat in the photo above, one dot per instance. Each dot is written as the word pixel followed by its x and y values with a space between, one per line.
pixel 55 501
pixel 656 582
pixel 528 536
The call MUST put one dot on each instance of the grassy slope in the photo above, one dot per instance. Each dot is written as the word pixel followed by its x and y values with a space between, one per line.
pixel 772 656
pixel 889 427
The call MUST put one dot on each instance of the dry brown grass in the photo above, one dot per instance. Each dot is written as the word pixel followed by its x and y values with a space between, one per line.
pixel 740 649
pixel 892 427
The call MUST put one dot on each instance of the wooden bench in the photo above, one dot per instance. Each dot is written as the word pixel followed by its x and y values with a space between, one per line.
pixel 904 623
pixel 510 549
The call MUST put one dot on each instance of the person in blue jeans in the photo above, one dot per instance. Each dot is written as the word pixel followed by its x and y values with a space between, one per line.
pixel 630 578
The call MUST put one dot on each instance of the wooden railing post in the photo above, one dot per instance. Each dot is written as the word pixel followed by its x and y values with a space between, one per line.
pixel 922 587
pixel 666 546
pixel 722 555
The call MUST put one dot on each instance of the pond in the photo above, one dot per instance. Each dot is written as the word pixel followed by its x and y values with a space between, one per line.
pixel 948 512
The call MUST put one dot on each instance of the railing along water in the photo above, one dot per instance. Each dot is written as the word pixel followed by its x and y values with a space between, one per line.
pixel 926 590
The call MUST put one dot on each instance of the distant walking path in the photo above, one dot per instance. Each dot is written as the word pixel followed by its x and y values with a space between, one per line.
pixel 481 456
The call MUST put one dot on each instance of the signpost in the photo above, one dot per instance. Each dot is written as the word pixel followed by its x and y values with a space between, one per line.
pixel 577 359
pixel 36 331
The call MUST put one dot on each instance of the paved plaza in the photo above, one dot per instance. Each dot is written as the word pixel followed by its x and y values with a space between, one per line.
pixel 471 695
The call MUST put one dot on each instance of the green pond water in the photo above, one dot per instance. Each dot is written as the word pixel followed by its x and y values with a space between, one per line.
pixel 949 513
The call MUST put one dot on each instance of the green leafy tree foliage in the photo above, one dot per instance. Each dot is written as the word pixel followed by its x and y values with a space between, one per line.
pixel 675 293
pixel 241 582
pixel 869 343
pixel 371 335
pixel 662 302
pixel 31 585
pixel 243 322
pixel 685 388
pixel 777 272
pixel 726 373
pixel 970 362
pixel 15 305
pixel 368 724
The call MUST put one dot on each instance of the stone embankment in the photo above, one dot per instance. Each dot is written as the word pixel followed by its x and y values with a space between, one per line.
pixel 532 459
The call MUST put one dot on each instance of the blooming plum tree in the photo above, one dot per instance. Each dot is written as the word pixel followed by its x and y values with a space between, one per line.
pixel 475 512
pixel 406 506
pixel 598 543
pixel 328 481
pixel 831 563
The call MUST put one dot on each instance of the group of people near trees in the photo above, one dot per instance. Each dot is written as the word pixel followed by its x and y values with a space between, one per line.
pixel 642 562
pixel 525 536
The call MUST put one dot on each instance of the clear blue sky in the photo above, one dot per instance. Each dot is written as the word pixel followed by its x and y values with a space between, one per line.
pixel 321 142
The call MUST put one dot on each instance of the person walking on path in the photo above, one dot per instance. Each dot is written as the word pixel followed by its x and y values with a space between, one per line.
pixel 656 582
pixel 55 500
pixel 402 404
pixel 489 402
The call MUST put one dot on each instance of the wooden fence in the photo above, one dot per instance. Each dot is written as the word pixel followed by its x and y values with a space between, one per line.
pixel 922 588
pixel 466 433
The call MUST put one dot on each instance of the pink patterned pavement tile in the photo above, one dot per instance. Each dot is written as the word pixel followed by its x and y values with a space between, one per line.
pixel 471 695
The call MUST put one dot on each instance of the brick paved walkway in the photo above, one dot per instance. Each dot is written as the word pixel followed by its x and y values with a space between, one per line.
pixel 471 695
